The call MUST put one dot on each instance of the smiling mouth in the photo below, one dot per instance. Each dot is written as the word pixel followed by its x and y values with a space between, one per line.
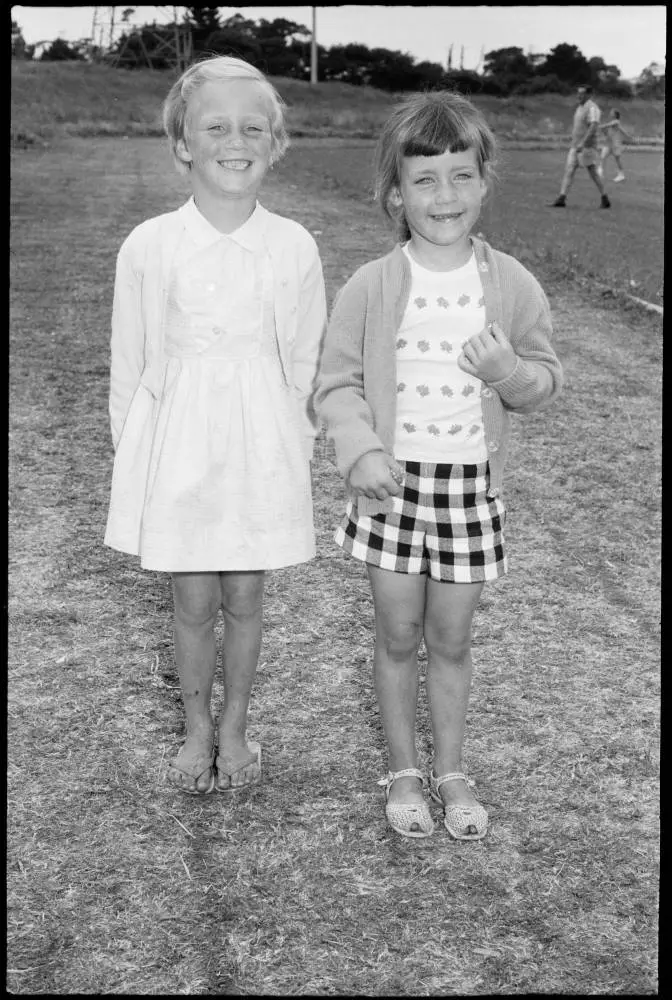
pixel 235 164
pixel 446 216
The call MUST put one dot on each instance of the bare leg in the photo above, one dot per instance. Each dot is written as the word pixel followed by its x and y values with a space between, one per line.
pixel 242 603
pixel 568 176
pixel 197 600
pixel 398 600
pixel 448 616
pixel 592 170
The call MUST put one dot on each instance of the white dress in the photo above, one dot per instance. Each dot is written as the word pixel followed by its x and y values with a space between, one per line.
pixel 228 486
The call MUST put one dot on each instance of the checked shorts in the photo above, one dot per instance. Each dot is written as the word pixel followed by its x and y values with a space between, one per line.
pixel 444 524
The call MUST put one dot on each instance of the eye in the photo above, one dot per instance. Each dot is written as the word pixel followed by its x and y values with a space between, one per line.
pixel 424 180
pixel 254 128
pixel 464 177
pixel 216 128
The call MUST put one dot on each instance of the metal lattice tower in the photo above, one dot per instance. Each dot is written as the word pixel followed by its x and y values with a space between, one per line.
pixel 109 24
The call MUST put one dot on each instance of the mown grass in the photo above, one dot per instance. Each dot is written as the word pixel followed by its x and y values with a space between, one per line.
pixel 117 884
pixel 73 98
pixel 608 252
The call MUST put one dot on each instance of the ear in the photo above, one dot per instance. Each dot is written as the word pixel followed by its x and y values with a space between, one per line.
pixel 394 197
pixel 183 153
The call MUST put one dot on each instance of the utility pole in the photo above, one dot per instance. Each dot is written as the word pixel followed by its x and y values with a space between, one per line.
pixel 313 48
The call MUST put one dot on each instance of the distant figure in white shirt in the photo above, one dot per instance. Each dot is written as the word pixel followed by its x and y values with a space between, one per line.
pixel 612 134
pixel 583 151
pixel 219 312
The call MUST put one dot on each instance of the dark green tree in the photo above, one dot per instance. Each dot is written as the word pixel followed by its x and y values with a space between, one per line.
pixel 206 18
pixel 60 51
pixel 568 63
pixel 509 63
pixel 19 48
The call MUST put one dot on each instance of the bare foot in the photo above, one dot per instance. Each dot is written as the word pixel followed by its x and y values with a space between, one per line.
pixel 238 764
pixel 192 769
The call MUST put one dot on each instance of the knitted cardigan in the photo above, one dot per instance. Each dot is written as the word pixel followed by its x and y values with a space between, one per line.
pixel 356 385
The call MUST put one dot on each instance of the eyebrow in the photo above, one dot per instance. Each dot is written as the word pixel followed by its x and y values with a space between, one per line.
pixel 253 116
pixel 419 171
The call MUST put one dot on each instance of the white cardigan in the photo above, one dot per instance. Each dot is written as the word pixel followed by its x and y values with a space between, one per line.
pixel 138 314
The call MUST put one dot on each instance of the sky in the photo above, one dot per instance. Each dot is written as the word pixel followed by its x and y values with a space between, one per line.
pixel 631 37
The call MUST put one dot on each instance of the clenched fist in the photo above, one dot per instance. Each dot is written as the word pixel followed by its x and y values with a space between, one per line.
pixel 376 475
pixel 488 355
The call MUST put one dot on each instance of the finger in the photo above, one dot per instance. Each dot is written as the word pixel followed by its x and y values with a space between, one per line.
pixel 396 472
pixel 498 334
pixel 466 365
pixel 382 493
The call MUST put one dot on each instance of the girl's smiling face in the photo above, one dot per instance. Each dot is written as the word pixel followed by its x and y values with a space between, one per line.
pixel 227 138
pixel 441 197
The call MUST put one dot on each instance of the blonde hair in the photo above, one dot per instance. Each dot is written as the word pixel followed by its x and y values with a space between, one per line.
pixel 428 124
pixel 219 68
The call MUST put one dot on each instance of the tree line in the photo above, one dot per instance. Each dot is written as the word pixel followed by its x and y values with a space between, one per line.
pixel 282 48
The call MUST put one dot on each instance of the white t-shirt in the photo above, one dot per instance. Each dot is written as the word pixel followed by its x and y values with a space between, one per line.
pixel 439 416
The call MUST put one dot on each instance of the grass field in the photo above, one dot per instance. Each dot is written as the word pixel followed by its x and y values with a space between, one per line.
pixel 52 98
pixel 116 883
pixel 621 249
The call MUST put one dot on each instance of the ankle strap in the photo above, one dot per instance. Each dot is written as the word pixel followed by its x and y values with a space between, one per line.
pixel 407 772
pixel 454 776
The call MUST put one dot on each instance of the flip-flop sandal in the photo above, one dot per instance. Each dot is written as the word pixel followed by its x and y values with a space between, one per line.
pixel 230 767
pixel 195 772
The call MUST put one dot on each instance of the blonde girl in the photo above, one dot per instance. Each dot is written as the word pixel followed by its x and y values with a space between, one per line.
pixel 219 311
pixel 428 351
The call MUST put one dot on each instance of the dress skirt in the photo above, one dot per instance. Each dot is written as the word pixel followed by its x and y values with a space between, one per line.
pixel 214 476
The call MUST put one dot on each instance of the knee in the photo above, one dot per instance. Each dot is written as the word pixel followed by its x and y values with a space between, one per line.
pixel 195 608
pixel 446 644
pixel 242 598
pixel 399 641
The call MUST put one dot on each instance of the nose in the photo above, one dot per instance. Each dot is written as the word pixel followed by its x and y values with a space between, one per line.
pixel 445 193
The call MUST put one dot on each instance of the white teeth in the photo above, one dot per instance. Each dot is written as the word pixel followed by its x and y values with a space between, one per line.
pixel 235 164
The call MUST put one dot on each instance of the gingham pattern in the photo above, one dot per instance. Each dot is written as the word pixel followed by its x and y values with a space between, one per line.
pixel 443 524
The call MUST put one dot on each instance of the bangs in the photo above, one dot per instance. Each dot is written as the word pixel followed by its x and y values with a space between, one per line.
pixel 438 129
pixel 435 147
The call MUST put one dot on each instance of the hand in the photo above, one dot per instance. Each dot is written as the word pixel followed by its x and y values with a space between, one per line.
pixel 488 355
pixel 373 475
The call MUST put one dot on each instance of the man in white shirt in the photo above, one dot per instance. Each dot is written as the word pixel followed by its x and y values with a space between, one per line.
pixel 583 151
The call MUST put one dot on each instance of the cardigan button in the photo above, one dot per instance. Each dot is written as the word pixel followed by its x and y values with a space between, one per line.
pixel 493 493
pixel 492 446
pixel 487 393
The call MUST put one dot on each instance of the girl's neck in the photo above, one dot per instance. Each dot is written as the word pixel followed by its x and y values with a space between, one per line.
pixel 438 258
pixel 226 216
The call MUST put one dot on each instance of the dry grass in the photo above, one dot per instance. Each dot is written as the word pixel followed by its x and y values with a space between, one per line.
pixel 117 884
pixel 52 98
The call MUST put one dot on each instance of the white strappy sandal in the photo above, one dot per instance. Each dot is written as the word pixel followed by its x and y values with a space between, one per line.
pixel 403 816
pixel 461 822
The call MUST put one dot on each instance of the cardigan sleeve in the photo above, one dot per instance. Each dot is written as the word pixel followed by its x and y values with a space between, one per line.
pixel 537 377
pixel 310 330
pixel 127 346
pixel 340 400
